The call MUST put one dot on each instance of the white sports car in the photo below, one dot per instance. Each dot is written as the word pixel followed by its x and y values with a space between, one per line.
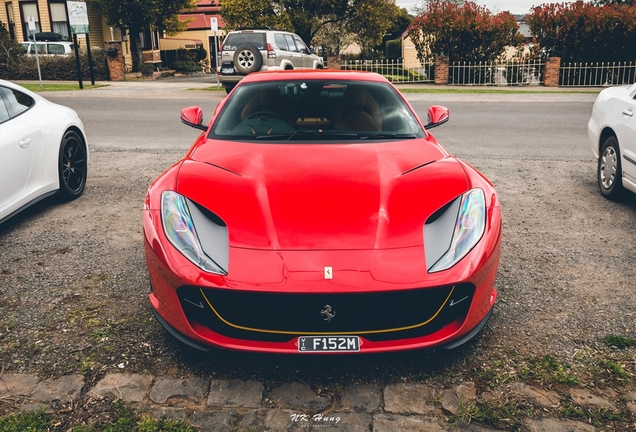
pixel 612 132
pixel 43 150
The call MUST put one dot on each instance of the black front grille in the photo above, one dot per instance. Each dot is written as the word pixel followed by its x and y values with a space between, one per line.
pixel 383 315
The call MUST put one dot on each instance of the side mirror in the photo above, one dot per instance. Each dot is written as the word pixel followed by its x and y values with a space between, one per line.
pixel 437 115
pixel 193 117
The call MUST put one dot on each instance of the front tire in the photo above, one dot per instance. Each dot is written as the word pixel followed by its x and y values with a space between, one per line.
pixel 72 166
pixel 610 182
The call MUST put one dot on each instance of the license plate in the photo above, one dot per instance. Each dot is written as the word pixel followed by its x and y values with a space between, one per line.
pixel 227 70
pixel 328 343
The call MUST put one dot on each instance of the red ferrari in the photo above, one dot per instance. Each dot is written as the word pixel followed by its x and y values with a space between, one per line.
pixel 316 214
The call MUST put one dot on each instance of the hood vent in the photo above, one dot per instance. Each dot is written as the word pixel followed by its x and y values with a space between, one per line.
pixel 418 167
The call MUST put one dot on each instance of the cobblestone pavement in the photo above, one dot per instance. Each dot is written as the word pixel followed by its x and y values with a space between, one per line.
pixel 230 405
pixel 247 404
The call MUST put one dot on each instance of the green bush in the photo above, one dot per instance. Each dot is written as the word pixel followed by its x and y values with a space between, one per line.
pixel 58 68
pixel 182 59
pixel 394 49
pixel 187 66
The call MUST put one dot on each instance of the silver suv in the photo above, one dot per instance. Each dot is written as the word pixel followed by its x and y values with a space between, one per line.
pixel 252 50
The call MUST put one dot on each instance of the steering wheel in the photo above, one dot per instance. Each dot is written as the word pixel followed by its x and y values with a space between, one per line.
pixel 264 114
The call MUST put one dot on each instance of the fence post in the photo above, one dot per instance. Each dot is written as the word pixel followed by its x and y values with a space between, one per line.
pixel 115 59
pixel 552 71
pixel 441 70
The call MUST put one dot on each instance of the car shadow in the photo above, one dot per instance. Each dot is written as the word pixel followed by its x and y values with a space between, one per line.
pixel 325 371
pixel 33 211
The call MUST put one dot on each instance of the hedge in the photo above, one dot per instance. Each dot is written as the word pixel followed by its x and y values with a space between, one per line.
pixel 57 68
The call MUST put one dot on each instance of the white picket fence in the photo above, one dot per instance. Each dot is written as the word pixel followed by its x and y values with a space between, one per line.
pixel 597 74
pixel 399 71
pixel 501 73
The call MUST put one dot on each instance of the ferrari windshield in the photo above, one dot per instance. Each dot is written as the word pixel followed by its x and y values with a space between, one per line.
pixel 315 110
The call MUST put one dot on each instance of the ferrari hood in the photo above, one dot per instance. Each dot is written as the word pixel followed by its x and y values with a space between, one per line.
pixel 322 196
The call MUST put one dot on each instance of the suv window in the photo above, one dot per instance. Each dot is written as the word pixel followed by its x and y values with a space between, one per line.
pixel 301 45
pixel 235 40
pixel 290 43
pixel 56 49
pixel 281 43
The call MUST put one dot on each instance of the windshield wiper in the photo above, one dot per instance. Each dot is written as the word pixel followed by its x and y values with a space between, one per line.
pixel 388 135
pixel 305 132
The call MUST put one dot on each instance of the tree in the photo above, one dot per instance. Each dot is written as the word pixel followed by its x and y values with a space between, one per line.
pixel 583 32
pixel 333 38
pixel 307 17
pixel 136 15
pixel 463 31
pixel 10 52
pixel 369 26
pixel 400 24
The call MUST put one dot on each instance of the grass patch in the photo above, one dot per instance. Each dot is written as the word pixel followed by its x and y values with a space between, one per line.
pixel 599 417
pixel 37 421
pixel 507 416
pixel 491 91
pixel 615 369
pixel 546 369
pixel 125 420
pixel 212 88
pixel 35 87
pixel 619 341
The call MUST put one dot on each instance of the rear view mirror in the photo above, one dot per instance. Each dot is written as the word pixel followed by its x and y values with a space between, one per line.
pixel 437 115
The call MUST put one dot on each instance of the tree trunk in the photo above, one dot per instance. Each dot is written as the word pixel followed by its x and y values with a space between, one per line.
pixel 135 48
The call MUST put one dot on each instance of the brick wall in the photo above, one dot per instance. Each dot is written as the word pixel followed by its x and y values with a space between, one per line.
pixel 333 62
pixel 441 70
pixel 551 72
pixel 115 63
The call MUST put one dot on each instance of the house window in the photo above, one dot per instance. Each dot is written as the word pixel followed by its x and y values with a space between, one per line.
pixel 29 10
pixel 11 19
pixel 59 20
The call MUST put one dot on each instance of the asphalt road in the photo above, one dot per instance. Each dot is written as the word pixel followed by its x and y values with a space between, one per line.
pixel 517 126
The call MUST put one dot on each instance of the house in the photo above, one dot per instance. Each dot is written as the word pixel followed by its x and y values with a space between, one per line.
pixel 199 30
pixel 52 16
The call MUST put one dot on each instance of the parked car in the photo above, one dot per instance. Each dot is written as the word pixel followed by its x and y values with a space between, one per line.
pixel 48 48
pixel 317 214
pixel 612 132
pixel 252 50
pixel 43 150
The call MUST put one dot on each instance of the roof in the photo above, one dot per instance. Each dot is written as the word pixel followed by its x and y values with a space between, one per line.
pixel 314 74
pixel 201 21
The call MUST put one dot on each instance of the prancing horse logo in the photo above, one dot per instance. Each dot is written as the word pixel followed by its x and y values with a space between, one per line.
pixel 327 313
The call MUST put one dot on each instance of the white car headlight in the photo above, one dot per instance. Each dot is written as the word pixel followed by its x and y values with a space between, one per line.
pixel 470 224
pixel 182 234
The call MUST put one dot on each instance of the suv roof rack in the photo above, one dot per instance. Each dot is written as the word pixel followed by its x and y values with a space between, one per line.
pixel 48 37
pixel 254 28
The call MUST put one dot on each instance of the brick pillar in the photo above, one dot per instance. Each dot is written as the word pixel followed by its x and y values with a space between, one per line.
pixel 333 62
pixel 441 70
pixel 116 68
pixel 552 71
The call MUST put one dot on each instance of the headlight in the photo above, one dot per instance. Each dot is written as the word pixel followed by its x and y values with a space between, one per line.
pixel 180 231
pixel 470 224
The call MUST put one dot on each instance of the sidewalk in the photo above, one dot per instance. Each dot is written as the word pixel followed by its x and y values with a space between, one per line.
pixel 186 88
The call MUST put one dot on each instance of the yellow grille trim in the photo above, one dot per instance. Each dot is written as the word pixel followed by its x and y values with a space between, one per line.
pixel 327 333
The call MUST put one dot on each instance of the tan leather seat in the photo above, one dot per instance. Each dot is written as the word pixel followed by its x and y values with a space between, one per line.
pixel 358 111
pixel 270 100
